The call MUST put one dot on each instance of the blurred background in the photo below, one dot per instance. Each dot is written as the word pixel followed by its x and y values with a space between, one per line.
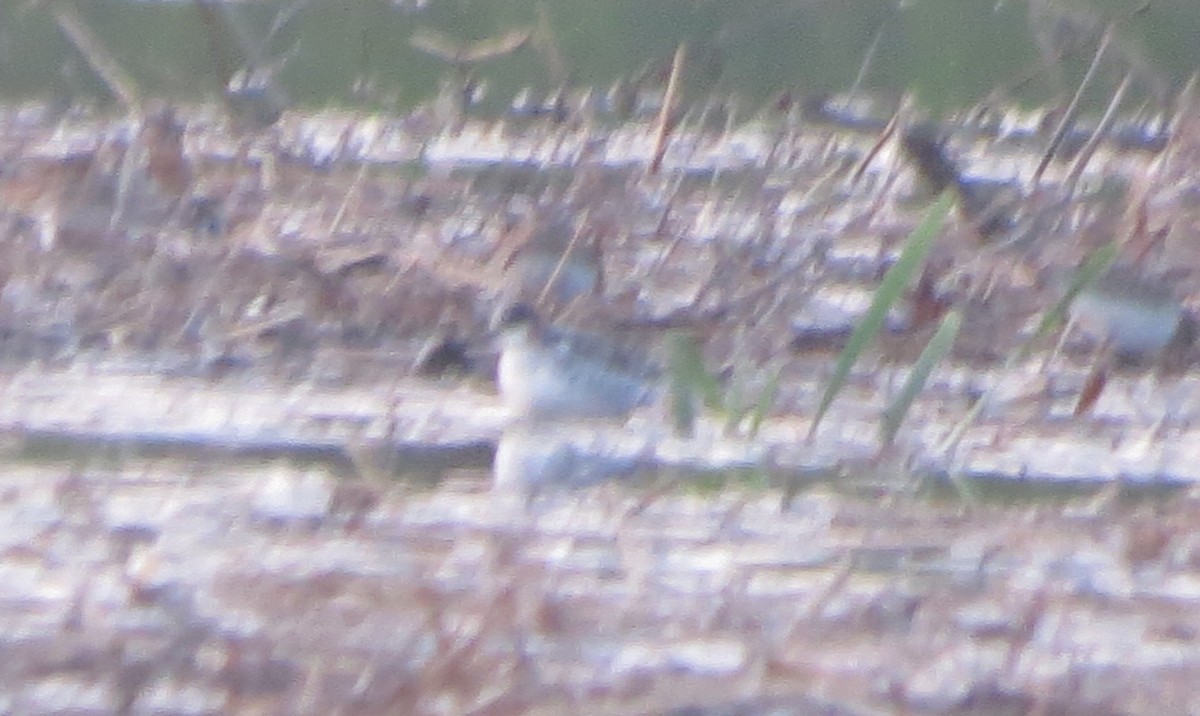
pixel 950 53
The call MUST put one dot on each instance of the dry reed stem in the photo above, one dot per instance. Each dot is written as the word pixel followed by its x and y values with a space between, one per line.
pixel 666 124
pixel 1064 123
pixel 98 58
pixel 1093 142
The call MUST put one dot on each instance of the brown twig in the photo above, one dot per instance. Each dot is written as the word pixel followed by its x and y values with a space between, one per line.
pixel 868 58
pixel 1093 142
pixel 98 58
pixel 884 136
pixel 558 267
pixel 666 114
pixel 1069 115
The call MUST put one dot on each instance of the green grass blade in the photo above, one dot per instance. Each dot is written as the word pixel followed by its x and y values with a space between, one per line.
pixel 762 406
pixel 682 399
pixel 934 352
pixel 689 381
pixel 894 283
pixel 734 405
pixel 1092 269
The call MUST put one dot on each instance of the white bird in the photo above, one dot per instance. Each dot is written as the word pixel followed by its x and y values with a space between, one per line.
pixel 550 373
pixel 1135 316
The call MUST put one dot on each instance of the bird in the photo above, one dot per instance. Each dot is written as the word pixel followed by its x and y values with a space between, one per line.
pixel 162 135
pixel 1136 319
pixel 549 373
pixel 1135 316
pixel 254 102
pixel 988 204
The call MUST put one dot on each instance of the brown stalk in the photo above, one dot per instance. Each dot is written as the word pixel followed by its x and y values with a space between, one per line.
pixel 558 267
pixel 98 58
pixel 884 136
pixel 1072 109
pixel 1093 142
pixel 666 120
